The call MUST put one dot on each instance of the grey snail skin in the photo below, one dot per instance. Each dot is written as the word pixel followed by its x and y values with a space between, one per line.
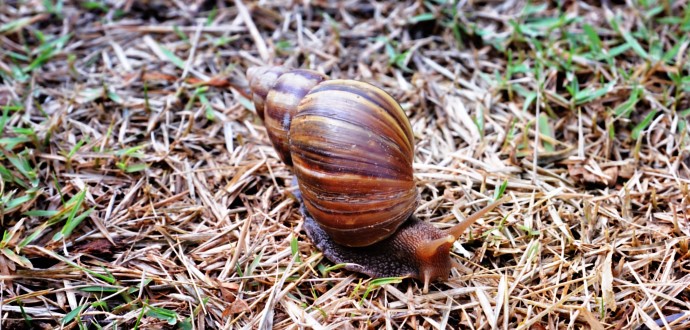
pixel 351 148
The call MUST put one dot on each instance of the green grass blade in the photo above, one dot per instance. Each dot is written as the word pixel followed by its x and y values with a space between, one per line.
pixel 624 109
pixel 546 130
pixel 107 279
pixel 592 94
pixel 18 259
pixel 376 283
pixel 72 220
pixel 15 25
pixel 172 57
pixel 70 225
pixel 162 314
pixel 501 190
pixel 72 315
pixel 100 289
pixel 643 125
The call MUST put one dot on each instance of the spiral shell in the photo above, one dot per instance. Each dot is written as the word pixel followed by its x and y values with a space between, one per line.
pixel 351 147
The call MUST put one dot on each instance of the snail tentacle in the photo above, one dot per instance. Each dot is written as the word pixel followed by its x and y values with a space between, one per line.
pixel 457 230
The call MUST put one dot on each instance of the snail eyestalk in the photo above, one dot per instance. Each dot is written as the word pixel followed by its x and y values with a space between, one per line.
pixel 432 257
pixel 457 230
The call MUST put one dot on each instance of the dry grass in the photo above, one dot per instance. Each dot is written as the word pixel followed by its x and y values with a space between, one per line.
pixel 139 189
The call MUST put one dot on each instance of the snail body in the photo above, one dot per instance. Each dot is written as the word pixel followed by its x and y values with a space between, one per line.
pixel 351 148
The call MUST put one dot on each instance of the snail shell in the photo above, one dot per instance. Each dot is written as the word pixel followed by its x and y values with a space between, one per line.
pixel 351 148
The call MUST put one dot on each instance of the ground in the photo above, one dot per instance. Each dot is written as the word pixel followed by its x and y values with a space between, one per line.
pixel 139 189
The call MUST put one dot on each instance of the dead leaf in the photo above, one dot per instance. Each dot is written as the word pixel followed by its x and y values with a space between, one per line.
pixel 593 322
pixel 221 81
pixel 236 307
pixel 580 174
pixel 153 76
pixel 5 97
pixel 216 81
pixel 99 246
pixel 537 326
pixel 626 171
pixel 149 77
pixel 607 283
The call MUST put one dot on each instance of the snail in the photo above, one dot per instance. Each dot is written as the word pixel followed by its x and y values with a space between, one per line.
pixel 351 148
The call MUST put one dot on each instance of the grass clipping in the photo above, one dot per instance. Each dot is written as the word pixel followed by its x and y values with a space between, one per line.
pixel 139 189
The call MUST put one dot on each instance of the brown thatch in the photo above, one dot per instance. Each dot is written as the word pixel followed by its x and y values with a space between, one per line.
pixel 139 188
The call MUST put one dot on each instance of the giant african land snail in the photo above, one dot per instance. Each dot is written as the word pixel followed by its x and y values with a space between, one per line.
pixel 351 148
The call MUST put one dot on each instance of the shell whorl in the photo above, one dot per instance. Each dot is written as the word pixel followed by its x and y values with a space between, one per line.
pixel 261 79
pixel 282 104
pixel 351 148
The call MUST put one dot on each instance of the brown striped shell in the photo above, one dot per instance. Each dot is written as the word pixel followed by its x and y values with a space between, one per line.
pixel 351 148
